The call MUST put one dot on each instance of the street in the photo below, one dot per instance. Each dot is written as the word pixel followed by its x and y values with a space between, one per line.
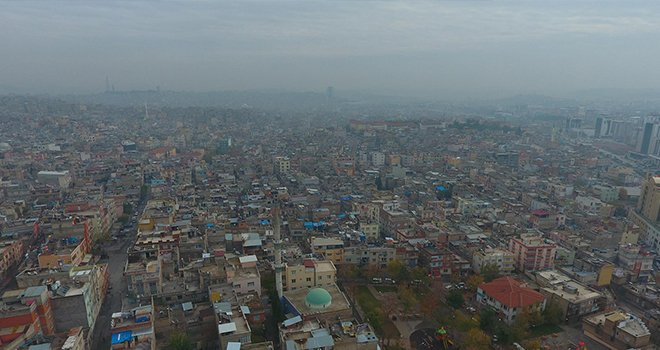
pixel 116 260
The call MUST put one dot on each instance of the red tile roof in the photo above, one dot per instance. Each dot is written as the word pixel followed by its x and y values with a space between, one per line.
pixel 511 293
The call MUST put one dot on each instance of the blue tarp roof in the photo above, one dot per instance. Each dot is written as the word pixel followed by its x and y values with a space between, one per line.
pixel 440 188
pixel 265 222
pixel 121 337
pixel 310 224
pixel 210 225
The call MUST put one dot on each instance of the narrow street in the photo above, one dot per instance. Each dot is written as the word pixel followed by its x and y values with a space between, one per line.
pixel 116 261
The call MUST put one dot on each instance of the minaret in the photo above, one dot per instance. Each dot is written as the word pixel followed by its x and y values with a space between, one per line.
pixel 278 249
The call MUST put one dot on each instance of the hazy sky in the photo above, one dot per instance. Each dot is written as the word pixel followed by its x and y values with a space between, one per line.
pixel 430 48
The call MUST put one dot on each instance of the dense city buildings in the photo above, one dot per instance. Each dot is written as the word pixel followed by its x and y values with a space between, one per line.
pixel 248 229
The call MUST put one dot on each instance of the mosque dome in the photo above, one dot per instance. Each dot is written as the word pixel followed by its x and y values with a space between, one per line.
pixel 318 298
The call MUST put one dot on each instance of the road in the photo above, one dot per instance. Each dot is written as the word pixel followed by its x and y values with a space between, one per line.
pixel 116 261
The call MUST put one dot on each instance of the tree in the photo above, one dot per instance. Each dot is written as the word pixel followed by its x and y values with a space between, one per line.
pixel 476 339
pixel 420 273
pixel 520 327
pixel 179 341
pixel 455 299
pixel 488 320
pixel 398 270
pixel 407 297
pixel 128 208
pixel 429 304
pixel 490 272
pixel 552 315
pixel 474 281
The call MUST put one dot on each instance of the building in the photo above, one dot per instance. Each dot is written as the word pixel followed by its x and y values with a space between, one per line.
pixel 510 297
pixel 323 304
pixel 637 262
pixel 232 324
pixel 331 248
pixel 370 229
pixel 133 329
pixel 128 146
pixel 243 275
pixel 24 313
pixel 649 199
pixel 364 255
pixel 617 330
pixel 574 299
pixel 12 254
pixel 501 258
pixel 532 253
pixel 57 179
pixel 311 273
pixel 282 164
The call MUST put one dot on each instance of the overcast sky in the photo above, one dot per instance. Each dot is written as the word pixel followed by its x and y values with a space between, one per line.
pixel 429 48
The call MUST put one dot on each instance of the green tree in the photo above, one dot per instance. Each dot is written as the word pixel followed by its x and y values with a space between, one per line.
pixel 179 341
pixel 407 297
pixel 474 281
pixel 488 319
pixel 421 274
pixel 520 327
pixel 144 191
pixel 476 339
pixel 128 208
pixel 552 315
pixel 490 272
pixel 398 270
pixel 455 299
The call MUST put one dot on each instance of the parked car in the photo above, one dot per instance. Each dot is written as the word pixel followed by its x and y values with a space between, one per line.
pixel 377 280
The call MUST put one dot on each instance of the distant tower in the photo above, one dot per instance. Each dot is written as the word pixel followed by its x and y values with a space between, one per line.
pixel 107 84
pixel 278 249
pixel 146 112
pixel 330 94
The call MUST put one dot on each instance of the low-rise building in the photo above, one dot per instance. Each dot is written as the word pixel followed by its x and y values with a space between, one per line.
pixel 574 299
pixel 309 274
pixel 501 258
pixel 331 248
pixel 510 297
pixel 617 330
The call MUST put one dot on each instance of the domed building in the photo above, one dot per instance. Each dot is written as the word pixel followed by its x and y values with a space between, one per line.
pixel 318 298
pixel 327 303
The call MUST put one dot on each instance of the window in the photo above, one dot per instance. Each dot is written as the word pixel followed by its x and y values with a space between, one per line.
pixel 309 279
pixel 250 284
pixel 293 280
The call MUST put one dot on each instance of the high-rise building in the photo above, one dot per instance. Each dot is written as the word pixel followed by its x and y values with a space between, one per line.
pixel 532 253
pixel 649 199
pixel 599 127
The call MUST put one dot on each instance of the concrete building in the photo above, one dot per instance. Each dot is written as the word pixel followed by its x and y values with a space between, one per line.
pixel 57 179
pixel 532 253
pixel 501 258
pixel 509 297
pixel 133 329
pixel 617 330
pixel 371 230
pixel 574 299
pixel 311 273
pixel 282 164
pixel 243 275
pixel 364 255
pixel 331 248
pixel 649 199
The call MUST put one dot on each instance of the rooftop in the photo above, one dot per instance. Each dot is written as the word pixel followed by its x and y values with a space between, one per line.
pixel 511 293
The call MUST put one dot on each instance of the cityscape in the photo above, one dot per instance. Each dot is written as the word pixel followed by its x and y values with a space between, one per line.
pixel 329 175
